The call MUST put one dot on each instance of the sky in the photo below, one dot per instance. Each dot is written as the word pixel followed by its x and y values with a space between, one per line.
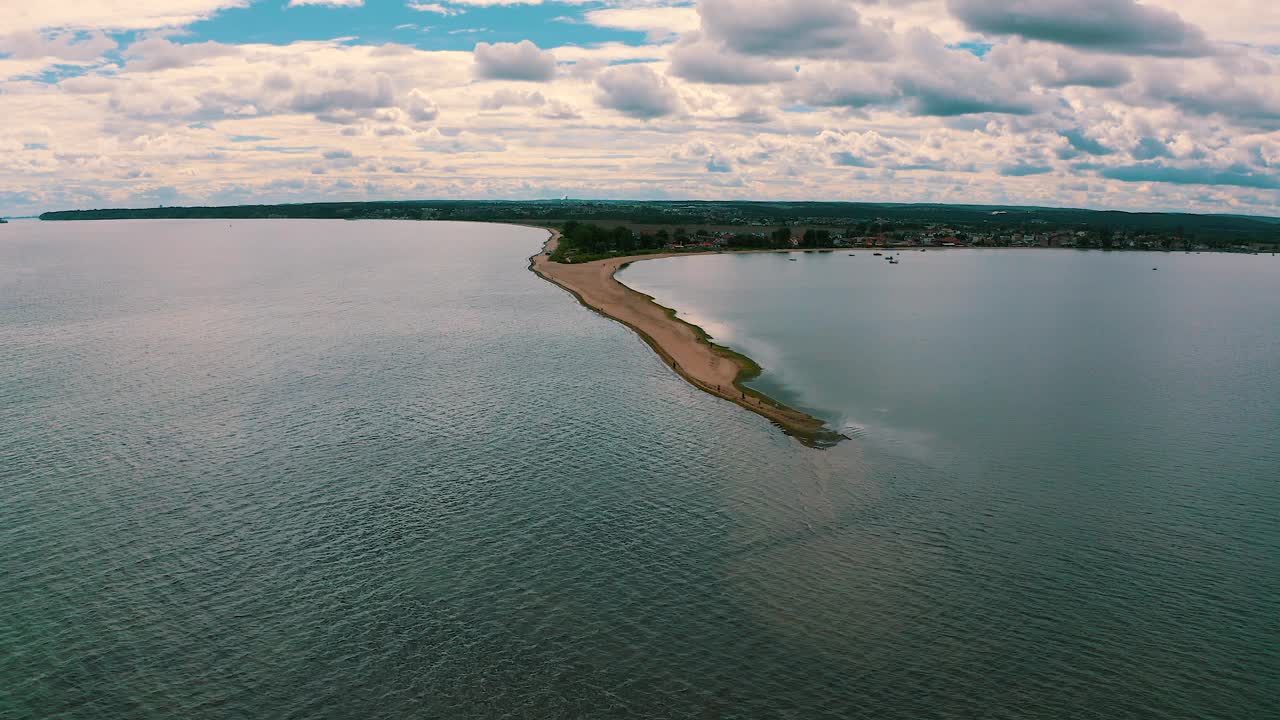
pixel 1169 105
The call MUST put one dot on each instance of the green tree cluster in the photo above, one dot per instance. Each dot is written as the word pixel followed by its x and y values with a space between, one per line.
pixel 815 238
pixel 580 242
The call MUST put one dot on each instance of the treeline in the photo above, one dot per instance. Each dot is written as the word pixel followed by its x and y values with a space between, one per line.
pixel 583 242
pixel 310 211
pixel 782 238
pixel 857 219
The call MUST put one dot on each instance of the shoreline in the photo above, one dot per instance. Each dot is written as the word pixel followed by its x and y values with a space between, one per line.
pixel 684 347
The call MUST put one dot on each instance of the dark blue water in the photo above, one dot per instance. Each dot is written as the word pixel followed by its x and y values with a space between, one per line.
pixel 330 470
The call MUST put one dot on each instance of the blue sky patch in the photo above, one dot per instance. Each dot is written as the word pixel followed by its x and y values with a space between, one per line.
pixel 979 49
pixel 384 21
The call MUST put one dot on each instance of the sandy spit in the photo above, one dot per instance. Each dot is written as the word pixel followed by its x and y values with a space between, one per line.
pixel 684 347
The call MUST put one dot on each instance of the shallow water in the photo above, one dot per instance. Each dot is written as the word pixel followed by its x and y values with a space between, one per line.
pixel 321 469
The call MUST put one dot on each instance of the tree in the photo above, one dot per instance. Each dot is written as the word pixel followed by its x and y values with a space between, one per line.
pixel 815 238
pixel 623 239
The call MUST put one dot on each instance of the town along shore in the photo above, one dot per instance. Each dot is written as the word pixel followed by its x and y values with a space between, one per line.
pixel 684 347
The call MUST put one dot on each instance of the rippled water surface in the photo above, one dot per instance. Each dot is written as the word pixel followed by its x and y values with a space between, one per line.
pixel 302 469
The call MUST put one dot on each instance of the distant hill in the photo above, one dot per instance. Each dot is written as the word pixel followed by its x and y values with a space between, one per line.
pixel 1263 218
pixel 1228 228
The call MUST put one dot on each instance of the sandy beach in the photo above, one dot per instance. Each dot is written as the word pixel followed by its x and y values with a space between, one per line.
pixel 684 347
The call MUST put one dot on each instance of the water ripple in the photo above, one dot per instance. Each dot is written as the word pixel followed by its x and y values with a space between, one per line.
pixel 379 470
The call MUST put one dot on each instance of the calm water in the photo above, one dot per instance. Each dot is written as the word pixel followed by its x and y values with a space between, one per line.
pixel 329 470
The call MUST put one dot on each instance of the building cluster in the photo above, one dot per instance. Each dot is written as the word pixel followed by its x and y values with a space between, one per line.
pixel 890 236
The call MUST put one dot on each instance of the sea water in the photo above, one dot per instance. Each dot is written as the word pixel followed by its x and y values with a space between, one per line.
pixel 300 469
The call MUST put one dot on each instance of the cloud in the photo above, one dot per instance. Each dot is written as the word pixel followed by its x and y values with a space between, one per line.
pixel 1149 148
pixel 1105 74
pixel 559 110
pixel 353 97
pixel 703 62
pixel 926 79
pixel 1084 144
pixel 791 28
pixel 1022 169
pixel 60 45
pixel 1243 22
pixel 717 164
pixel 855 86
pixel 420 107
pixel 110 14
pixel 434 140
pixel 436 8
pixel 1244 91
pixel 157 53
pixel 508 97
pixel 935 97
pixel 636 91
pixel 844 158
pixel 514 61
pixel 191 92
pixel 1058 66
pixel 658 23
pixel 1118 26
pixel 755 115
pixel 872 150
pixel 1161 173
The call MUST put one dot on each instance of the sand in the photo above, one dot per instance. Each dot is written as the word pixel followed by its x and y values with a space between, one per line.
pixel 684 347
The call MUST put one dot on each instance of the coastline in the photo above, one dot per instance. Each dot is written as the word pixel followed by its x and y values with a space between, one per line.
pixel 684 347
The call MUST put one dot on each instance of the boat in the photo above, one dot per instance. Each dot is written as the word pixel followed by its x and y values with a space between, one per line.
pixel 850 254
pixel 893 261
pixel 877 254
pixel 792 259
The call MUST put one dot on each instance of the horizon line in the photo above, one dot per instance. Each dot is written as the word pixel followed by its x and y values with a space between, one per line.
pixel 658 201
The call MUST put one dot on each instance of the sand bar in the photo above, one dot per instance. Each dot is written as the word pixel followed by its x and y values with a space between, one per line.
pixel 684 347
